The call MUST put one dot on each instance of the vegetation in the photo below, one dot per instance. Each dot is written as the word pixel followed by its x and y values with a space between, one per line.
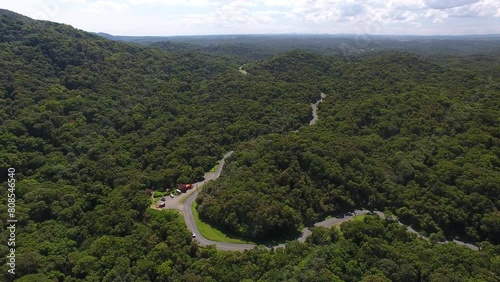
pixel 359 217
pixel 396 132
pixel 247 48
pixel 212 233
pixel 89 124
pixel 214 169
pixel 158 194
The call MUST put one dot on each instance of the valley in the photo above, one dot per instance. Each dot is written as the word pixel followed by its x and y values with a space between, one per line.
pixel 377 164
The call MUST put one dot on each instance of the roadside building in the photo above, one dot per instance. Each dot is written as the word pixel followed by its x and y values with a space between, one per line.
pixel 184 187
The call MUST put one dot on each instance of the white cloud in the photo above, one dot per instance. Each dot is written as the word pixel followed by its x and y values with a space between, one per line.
pixel 446 4
pixel 72 1
pixel 103 6
pixel 236 13
pixel 162 17
pixel 486 8
pixel 474 9
pixel 392 11
pixel 350 11
pixel 189 3
pixel 282 3
pixel 400 17
pixel 408 5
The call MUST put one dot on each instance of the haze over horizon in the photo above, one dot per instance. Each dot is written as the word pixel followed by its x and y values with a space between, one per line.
pixel 207 17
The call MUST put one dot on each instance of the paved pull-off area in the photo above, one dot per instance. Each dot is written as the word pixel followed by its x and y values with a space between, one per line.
pixel 242 70
pixel 176 203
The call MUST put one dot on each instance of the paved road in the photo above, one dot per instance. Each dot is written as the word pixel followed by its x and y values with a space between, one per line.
pixel 411 230
pixel 242 70
pixel 315 109
pixel 306 232
pixel 191 224
pixel 329 222
pixel 176 202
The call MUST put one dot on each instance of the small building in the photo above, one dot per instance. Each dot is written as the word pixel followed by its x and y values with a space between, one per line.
pixel 184 187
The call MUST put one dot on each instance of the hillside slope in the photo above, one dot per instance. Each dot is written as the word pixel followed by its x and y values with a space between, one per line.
pixel 88 124
pixel 397 132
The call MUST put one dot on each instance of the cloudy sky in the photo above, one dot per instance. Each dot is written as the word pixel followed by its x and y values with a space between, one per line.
pixel 192 17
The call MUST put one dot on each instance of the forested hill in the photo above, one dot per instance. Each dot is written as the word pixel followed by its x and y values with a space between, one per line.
pixel 396 132
pixel 166 116
pixel 241 52
pixel 88 124
pixel 259 46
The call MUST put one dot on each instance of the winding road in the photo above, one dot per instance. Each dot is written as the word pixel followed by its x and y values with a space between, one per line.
pixel 242 70
pixel 191 224
pixel 315 109
pixel 185 208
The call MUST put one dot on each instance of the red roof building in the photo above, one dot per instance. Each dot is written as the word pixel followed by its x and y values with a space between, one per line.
pixel 184 187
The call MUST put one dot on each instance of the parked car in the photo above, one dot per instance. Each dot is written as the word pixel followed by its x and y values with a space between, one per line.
pixel 193 235
pixel 171 195
pixel 161 205
pixel 162 199
pixel 178 191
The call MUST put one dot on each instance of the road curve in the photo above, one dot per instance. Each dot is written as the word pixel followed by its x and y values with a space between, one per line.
pixel 202 241
pixel 327 223
pixel 242 70
pixel 306 232
pixel 191 224
pixel 315 109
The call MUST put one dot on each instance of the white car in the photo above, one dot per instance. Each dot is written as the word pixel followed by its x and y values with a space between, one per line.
pixel 193 235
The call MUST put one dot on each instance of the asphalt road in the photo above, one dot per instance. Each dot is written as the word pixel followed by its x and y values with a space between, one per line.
pixel 306 232
pixel 242 70
pixel 191 224
pixel 327 223
pixel 315 109
pixel 176 202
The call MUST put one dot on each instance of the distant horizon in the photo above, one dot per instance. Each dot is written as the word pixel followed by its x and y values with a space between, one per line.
pixel 302 34
pixel 167 18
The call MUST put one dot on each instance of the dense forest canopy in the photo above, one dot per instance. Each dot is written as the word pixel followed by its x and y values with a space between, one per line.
pixel 89 123
pixel 254 47
pixel 397 132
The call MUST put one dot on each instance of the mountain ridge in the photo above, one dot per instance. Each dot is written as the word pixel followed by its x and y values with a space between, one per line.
pixel 92 126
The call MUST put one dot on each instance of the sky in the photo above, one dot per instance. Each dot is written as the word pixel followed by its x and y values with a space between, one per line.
pixel 204 17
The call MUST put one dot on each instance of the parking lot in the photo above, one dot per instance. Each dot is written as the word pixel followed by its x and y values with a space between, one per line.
pixel 175 202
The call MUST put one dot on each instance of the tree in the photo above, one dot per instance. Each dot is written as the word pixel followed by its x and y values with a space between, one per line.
pixel 490 225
